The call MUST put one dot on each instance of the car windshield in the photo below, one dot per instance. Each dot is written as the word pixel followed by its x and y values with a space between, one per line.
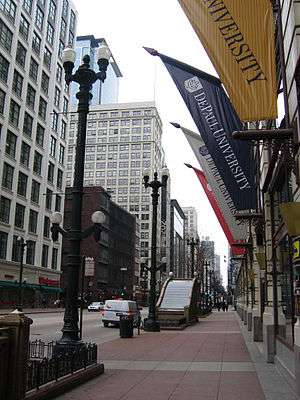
pixel 96 304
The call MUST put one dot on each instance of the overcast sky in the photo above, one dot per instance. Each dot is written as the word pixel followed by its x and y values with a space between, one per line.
pixel 127 26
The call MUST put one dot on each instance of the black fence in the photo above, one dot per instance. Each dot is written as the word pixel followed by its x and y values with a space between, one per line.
pixel 44 368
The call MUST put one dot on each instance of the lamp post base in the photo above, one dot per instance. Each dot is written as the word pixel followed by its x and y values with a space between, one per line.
pixel 150 325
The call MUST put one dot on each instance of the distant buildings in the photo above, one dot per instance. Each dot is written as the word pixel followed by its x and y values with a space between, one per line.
pixel 177 240
pixel 115 262
pixel 34 103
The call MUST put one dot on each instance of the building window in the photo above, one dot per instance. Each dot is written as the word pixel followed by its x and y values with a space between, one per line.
pixel 45 82
pixel 51 172
pixel 65 106
pixel 52 10
pixel 30 98
pixel 71 39
pixel 57 203
pixel 45 252
pixel 47 57
pixel 3 245
pixel 30 252
pixel 4 209
pixel 37 163
pixel 27 125
pixel 5 36
pixel 50 34
pixel 49 194
pixel 59 72
pixel 63 29
pixel 57 96
pixel 27 5
pixel 11 144
pixel 4 67
pixel 33 70
pixel 63 129
pixel 19 216
pixel 42 108
pixel 21 55
pixel 65 8
pixel 53 146
pixel 61 157
pixel 36 43
pixel 24 27
pixel 2 101
pixel 22 184
pixel 59 182
pixel 40 132
pixel 35 191
pixel 46 232
pixel 14 113
pixel 9 8
pixel 8 175
pixel 39 18
pixel 33 220
pixel 25 154
pixel 55 121
pixel 16 250
pixel 54 258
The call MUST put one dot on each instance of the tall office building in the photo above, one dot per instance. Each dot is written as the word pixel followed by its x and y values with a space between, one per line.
pixel 177 241
pixel 33 120
pixel 122 141
pixel 191 222
pixel 108 92
pixel 217 267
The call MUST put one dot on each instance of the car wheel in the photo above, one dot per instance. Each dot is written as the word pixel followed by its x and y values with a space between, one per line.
pixel 105 324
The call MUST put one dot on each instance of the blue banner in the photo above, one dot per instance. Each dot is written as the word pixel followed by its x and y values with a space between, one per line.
pixel 216 119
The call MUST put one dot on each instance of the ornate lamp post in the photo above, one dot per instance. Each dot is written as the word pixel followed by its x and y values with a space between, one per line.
pixel 150 324
pixel 22 244
pixel 85 77
pixel 192 243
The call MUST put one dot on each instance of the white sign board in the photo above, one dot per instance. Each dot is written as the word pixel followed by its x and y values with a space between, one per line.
pixel 89 266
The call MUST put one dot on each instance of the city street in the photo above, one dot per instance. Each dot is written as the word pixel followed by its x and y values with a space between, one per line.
pixel 47 327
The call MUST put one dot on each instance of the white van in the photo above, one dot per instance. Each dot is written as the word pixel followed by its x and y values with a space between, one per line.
pixel 114 308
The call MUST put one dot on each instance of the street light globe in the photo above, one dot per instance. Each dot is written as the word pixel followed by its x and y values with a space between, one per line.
pixel 98 217
pixel 68 55
pixel 165 171
pixel 103 52
pixel 56 218
pixel 171 274
pixel 19 238
pixel 164 260
pixel 143 260
pixel 146 172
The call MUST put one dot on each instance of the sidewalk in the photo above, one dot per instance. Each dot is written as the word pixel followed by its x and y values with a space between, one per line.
pixel 33 310
pixel 208 361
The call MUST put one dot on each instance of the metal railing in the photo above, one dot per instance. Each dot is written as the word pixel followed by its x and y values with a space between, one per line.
pixel 4 361
pixel 42 370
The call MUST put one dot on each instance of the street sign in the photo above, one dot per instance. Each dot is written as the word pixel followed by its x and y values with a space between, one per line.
pixel 89 266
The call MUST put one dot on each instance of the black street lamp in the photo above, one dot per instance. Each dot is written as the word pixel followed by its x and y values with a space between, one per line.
pixel 192 243
pixel 22 244
pixel 85 77
pixel 150 323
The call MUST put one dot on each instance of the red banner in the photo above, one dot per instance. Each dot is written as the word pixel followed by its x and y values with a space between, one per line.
pixel 47 281
pixel 218 213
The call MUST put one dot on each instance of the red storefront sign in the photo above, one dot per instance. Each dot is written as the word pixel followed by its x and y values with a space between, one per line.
pixel 47 281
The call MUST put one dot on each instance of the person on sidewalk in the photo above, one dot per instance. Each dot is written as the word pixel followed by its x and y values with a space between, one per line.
pixel 218 306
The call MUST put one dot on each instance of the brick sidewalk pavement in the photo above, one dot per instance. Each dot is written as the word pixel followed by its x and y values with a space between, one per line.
pixel 207 361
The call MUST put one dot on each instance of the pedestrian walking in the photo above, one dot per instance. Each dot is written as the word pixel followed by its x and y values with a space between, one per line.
pixel 223 306
pixel 219 306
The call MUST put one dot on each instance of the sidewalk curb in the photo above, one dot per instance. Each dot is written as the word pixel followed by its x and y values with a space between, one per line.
pixel 35 312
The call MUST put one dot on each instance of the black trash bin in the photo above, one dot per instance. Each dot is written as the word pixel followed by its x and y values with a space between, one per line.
pixel 126 326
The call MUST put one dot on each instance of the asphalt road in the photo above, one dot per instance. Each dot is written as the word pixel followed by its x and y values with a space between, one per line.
pixel 47 327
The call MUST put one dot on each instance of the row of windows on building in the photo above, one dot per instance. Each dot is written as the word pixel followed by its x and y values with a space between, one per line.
pixel 115 114
pixel 122 122
pixel 25 151
pixel 9 8
pixel 113 139
pixel 30 252
pixel 114 131
pixel 22 186
pixel 20 216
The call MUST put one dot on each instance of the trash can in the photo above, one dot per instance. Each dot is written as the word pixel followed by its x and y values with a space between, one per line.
pixel 126 326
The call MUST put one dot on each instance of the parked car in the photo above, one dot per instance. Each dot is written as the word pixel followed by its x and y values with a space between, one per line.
pixel 114 308
pixel 96 306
